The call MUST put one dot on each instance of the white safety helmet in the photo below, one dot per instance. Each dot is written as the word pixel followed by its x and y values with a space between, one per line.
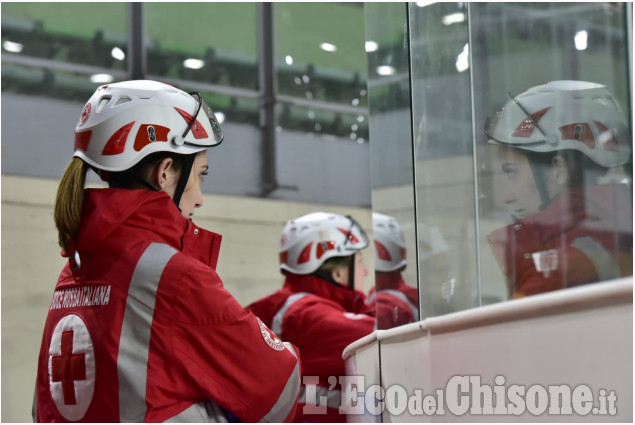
pixel 310 240
pixel 560 115
pixel 122 123
pixel 390 245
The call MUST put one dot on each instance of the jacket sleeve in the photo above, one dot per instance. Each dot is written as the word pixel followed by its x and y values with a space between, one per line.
pixel 234 359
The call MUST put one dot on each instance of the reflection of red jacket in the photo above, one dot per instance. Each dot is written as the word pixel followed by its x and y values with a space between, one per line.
pixel 584 235
pixel 321 319
pixel 395 302
pixel 145 330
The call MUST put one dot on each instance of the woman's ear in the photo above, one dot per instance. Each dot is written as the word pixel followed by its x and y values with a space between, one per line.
pixel 339 275
pixel 163 173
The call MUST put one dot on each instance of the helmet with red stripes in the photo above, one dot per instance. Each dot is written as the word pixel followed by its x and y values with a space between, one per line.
pixel 124 122
pixel 308 241
pixel 390 245
pixel 560 115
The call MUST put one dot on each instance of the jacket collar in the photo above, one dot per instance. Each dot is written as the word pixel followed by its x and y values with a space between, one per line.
pixel 577 204
pixel 105 210
pixel 389 280
pixel 352 301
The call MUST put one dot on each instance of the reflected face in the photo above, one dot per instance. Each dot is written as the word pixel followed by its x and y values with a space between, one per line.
pixel 192 195
pixel 520 193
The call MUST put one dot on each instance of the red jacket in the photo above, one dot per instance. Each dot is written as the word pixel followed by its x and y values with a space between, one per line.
pixel 584 235
pixel 321 319
pixel 145 331
pixel 396 302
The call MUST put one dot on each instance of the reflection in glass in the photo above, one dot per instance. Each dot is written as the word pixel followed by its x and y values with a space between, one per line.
pixel 516 49
pixel 460 62
pixel 438 288
pixel 571 222
pixel 444 169
pixel 397 303
pixel 391 155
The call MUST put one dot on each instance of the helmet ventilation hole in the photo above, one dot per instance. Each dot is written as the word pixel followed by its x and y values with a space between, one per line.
pixel 122 100
pixel 102 103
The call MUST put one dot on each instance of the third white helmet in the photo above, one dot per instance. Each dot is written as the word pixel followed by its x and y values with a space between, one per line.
pixel 390 245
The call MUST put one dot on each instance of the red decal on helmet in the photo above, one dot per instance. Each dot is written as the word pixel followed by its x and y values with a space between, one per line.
pixel 580 132
pixel 305 255
pixel 82 139
pixel 284 257
pixel 526 128
pixel 85 114
pixel 117 142
pixel 403 253
pixel 149 133
pixel 382 252
pixel 351 236
pixel 323 247
pixel 197 129
pixel 607 138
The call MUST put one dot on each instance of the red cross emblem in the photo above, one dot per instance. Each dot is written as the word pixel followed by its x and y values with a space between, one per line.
pixel 68 368
pixel 85 115
pixel 270 338
pixel 71 367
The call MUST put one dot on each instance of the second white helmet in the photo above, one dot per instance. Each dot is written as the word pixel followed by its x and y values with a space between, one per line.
pixel 308 241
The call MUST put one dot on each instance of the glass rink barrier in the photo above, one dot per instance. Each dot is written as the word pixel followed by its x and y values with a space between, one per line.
pixel 501 171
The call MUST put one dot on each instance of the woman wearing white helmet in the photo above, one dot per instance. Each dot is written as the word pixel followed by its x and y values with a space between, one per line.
pixel 396 303
pixel 556 141
pixel 319 307
pixel 140 327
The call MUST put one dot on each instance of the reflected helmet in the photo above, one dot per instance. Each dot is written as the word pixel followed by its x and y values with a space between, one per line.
pixel 308 241
pixel 560 115
pixel 390 245
pixel 124 122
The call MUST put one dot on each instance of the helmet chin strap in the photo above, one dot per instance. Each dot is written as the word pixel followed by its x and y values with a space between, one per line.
pixel 539 179
pixel 186 169
pixel 351 274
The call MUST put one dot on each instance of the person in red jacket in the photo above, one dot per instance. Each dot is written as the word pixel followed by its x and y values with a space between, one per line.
pixel 140 327
pixel 320 308
pixel 572 224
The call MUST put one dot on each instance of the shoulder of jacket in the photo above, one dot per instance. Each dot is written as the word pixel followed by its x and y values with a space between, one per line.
pixel 185 267
pixel 314 304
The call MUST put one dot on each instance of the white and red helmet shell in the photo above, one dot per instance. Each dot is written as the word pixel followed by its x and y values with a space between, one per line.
pixel 568 114
pixel 308 241
pixel 124 122
pixel 390 245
